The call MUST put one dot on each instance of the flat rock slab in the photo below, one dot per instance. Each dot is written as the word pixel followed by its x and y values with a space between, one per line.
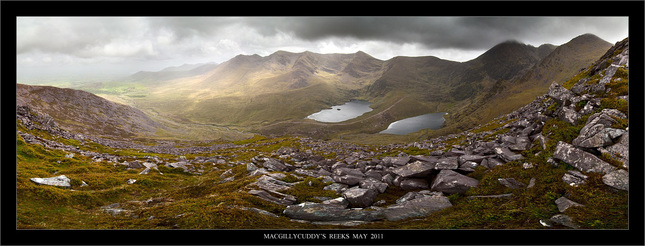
pixel 62 181
pixel 416 208
pixel 416 169
pixel 327 212
pixel 282 199
pixel 582 160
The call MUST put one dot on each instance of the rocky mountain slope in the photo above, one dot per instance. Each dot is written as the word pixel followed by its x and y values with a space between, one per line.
pixel 86 113
pixel 561 161
pixel 575 55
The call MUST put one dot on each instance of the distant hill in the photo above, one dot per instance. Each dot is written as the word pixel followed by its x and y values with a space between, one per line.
pixel 83 112
pixel 169 73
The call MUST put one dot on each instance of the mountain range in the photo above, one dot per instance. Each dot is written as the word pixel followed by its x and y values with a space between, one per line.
pixel 273 94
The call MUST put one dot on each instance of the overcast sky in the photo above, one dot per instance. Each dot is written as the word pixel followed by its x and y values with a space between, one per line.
pixel 73 47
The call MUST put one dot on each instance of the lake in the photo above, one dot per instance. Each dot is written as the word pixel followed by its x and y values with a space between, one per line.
pixel 409 125
pixel 339 113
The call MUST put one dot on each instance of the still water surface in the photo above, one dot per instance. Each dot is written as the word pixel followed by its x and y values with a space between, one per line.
pixel 340 113
pixel 409 125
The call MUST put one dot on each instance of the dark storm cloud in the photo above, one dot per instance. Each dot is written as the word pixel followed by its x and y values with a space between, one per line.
pixel 470 33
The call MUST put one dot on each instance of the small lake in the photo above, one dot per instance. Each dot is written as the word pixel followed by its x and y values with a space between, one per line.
pixel 340 113
pixel 409 125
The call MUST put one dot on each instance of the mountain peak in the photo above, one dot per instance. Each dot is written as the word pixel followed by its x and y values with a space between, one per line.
pixel 587 38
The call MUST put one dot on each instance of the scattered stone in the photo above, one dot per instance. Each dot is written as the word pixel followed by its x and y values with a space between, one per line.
pixel 618 179
pixel 574 178
pixel 250 167
pixel 511 183
pixel 506 154
pixel 563 204
pixel 565 220
pixel 62 181
pixel 531 183
pixel 131 181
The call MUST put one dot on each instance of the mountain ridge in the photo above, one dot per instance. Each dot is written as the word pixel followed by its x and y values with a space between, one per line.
pixel 291 85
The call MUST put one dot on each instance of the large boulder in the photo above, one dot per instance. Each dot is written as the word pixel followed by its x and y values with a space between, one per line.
pixel 360 197
pixel 416 169
pixel 62 181
pixel 450 182
pixel 417 207
pixel 328 212
pixel 580 159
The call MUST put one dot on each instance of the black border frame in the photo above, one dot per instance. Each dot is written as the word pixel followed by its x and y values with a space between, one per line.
pixel 11 9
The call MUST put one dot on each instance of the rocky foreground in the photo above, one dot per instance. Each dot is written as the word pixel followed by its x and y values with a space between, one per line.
pixel 584 128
